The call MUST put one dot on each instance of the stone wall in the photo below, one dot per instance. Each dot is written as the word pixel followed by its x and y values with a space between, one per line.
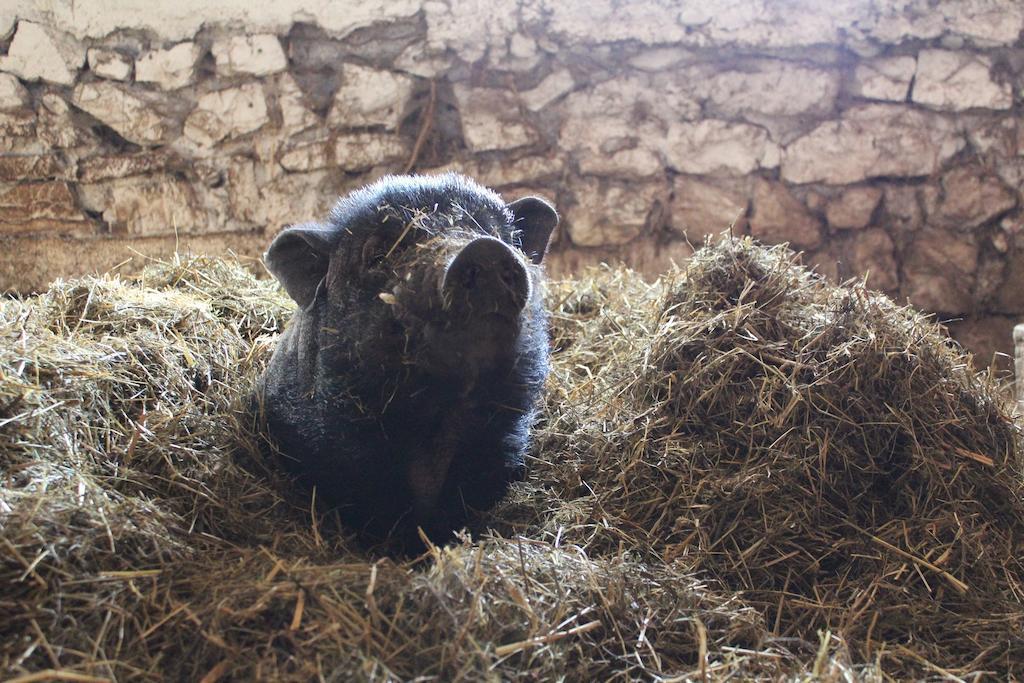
pixel 882 137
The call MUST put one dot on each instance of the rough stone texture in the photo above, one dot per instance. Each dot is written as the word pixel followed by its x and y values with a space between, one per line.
pixel 227 113
pixel 610 213
pixel 870 252
pixel 13 95
pixel 41 206
pixel 40 53
pixel 971 196
pixel 548 90
pixel 259 55
pixel 701 208
pixel 958 80
pixel 491 121
pixel 869 142
pixel 938 272
pixel 128 114
pixel 853 208
pixel 370 97
pixel 881 136
pixel 778 216
pixel 18 167
pixel 886 78
pixel 714 147
pixel 149 205
pixel 109 64
pixel 170 69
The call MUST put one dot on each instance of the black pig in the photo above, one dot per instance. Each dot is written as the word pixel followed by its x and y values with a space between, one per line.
pixel 405 385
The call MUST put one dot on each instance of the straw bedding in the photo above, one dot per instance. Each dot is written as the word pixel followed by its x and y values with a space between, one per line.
pixel 741 471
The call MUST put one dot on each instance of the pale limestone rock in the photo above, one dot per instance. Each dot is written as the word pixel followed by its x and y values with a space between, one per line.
pixel 17 130
pixel 352 152
pixel 958 80
pixel 886 78
pixel 370 97
pixel 295 115
pixel 294 198
pixel 701 208
pixel 55 126
pixel 986 22
pixel 491 120
pixel 130 116
pixel 971 196
pixel 258 55
pixel 871 141
pixel 13 95
pixel 48 206
pixel 901 209
pixel 226 114
pixel 610 147
pixel 525 171
pixel 362 151
pixel 768 88
pixel 39 53
pixel 170 69
pixel 109 64
pixel 181 19
pixel 938 272
pixel 610 213
pixel 713 147
pixel 148 205
pixel 778 217
pixel 853 208
pixel 635 98
pixel 989 339
pixel 470 27
pixel 548 90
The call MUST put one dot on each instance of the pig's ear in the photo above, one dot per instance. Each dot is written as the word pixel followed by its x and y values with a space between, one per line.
pixel 534 220
pixel 298 257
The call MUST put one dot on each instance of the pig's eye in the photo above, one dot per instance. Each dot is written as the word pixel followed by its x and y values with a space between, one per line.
pixel 374 251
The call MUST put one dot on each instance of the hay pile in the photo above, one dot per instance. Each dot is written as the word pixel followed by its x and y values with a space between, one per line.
pixel 742 471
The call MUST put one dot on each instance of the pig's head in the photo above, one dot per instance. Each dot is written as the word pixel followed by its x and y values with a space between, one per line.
pixel 436 275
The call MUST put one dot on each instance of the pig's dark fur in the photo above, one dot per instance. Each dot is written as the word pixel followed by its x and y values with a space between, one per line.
pixel 374 383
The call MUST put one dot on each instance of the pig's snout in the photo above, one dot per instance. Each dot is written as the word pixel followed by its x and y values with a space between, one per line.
pixel 486 277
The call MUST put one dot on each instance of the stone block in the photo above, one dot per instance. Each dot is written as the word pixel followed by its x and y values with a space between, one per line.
pixel 885 78
pixel 13 95
pixel 170 69
pixel 491 119
pixel 130 116
pixel 40 53
pixel 872 141
pixel 853 208
pixel 257 55
pixel 227 114
pixel 369 97
pixel 958 80
pixel 109 64
pixel 47 206
pixel 703 207
pixel 721 148
pixel 777 216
